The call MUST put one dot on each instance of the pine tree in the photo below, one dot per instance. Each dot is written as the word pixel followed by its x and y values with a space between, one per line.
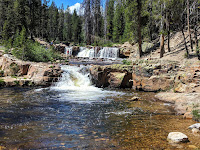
pixel 20 14
pixel 68 26
pixel 44 19
pixel 61 23
pixel 118 22
pixel 109 19
pixel 88 21
pixel 76 29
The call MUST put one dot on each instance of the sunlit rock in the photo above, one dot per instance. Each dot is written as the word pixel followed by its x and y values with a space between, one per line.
pixel 196 125
pixel 177 137
pixel 195 130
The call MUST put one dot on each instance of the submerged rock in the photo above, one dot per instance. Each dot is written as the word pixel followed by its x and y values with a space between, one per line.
pixel 135 99
pixel 177 137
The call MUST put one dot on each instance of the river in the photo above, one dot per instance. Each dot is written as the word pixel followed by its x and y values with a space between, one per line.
pixel 73 114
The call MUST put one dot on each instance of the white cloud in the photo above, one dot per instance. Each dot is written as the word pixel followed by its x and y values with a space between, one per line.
pixel 76 7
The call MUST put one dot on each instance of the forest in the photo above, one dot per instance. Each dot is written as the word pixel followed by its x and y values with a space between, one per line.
pixel 116 21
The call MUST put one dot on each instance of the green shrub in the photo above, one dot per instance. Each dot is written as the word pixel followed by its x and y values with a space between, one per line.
pixel 33 51
pixel 196 115
pixel 126 62
pixel 2 82
pixel 1 73
pixel 186 55
pixel 16 82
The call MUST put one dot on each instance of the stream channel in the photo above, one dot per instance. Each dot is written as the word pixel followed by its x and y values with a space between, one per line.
pixel 73 114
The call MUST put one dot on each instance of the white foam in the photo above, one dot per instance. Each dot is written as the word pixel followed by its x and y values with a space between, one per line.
pixel 76 87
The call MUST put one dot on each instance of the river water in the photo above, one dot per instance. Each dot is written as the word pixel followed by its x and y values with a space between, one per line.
pixel 73 114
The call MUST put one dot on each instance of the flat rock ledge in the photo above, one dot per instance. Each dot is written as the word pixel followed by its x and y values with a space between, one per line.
pixel 177 137
pixel 183 102
pixel 14 72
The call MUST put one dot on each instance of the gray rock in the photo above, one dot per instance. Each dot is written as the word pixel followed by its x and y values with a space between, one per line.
pixel 177 137
pixel 196 125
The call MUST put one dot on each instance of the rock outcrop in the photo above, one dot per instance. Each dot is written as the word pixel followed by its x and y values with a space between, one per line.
pixel 15 72
pixel 153 77
pixel 113 76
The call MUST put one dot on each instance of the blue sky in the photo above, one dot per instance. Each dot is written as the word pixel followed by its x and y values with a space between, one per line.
pixel 65 2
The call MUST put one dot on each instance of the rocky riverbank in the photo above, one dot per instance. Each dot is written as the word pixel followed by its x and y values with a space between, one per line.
pixel 179 83
pixel 14 72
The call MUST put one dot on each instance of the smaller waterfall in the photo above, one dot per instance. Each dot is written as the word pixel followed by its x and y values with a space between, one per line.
pixel 86 52
pixel 108 52
pixel 68 51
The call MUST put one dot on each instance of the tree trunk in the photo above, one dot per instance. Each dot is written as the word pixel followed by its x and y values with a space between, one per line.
pixel 168 31
pixel 188 22
pixel 162 50
pixel 187 52
pixel 195 33
pixel 162 37
pixel 139 7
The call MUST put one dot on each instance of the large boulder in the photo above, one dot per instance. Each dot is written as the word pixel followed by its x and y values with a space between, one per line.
pixel 75 50
pixel 113 76
pixel 60 48
pixel 177 137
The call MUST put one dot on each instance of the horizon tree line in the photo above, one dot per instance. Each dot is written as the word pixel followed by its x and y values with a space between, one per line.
pixel 115 21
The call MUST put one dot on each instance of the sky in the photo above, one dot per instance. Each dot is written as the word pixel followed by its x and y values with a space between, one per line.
pixel 72 3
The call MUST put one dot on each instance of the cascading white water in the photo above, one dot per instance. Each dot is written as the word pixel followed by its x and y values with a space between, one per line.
pixel 106 52
pixel 75 86
pixel 68 50
pixel 86 52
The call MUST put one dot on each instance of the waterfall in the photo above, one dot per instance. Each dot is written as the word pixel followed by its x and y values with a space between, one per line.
pixel 86 52
pixel 106 52
pixel 68 50
pixel 75 85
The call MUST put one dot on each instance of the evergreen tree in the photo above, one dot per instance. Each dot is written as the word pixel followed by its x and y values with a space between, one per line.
pixel 68 26
pixel 76 29
pixel 119 22
pixel 61 24
pixel 44 20
pixel 109 19
pixel 20 14
pixel 88 21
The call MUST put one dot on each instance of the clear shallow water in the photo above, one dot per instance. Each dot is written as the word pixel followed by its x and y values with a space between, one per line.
pixel 67 116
